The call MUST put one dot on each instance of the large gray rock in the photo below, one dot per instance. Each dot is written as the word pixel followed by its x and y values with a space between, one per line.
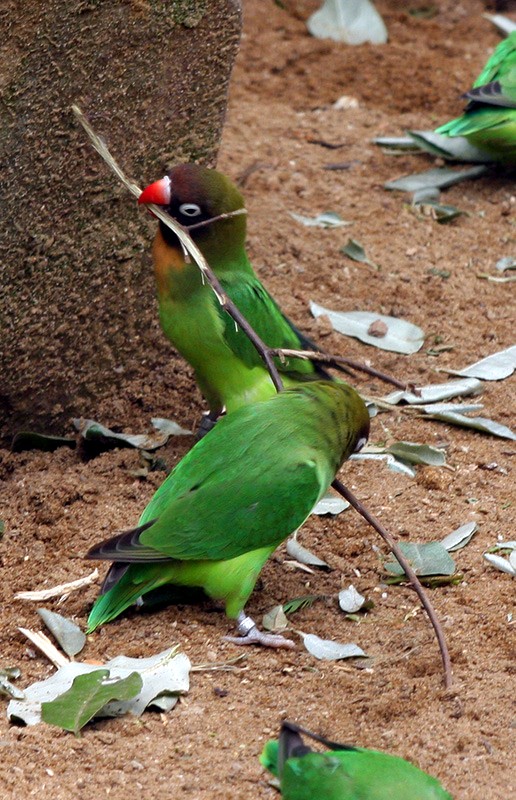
pixel 77 314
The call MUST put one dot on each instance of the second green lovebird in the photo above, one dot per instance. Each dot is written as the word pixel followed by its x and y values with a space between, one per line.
pixel 489 121
pixel 228 369
pixel 343 772
pixel 235 496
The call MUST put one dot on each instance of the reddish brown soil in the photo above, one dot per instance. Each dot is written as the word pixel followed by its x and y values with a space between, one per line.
pixel 55 505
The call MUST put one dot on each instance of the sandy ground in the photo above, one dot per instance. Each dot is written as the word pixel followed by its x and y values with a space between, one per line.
pixel 57 505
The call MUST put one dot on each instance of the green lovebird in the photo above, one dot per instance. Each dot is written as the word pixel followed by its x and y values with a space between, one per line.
pixel 489 120
pixel 343 772
pixel 228 369
pixel 235 496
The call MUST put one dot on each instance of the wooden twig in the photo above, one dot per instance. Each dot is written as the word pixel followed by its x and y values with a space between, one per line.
pixel 409 572
pixel 267 354
pixel 328 358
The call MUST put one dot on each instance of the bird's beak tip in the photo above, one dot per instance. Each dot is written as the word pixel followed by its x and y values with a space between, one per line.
pixel 158 193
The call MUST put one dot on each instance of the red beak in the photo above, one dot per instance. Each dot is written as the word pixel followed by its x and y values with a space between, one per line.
pixel 158 192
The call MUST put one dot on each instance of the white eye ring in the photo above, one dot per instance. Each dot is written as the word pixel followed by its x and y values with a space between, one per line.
pixel 189 209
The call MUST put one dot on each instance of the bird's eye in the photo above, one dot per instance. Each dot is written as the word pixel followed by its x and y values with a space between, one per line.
pixel 190 209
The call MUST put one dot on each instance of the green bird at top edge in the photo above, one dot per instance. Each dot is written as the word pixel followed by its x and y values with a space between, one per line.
pixel 233 498
pixel 489 120
pixel 343 772
pixel 228 369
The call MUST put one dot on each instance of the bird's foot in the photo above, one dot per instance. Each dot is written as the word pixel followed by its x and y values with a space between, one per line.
pixel 208 422
pixel 249 633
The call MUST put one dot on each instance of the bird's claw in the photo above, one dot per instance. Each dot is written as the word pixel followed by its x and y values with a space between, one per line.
pixel 251 634
pixel 207 424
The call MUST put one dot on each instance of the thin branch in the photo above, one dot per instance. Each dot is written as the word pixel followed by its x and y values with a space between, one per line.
pixel 409 572
pixel 328 358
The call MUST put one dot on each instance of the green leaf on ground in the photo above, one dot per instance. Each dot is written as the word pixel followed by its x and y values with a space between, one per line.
pixel 88 694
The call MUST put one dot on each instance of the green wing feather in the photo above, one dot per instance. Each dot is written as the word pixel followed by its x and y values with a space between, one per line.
pixel 264 315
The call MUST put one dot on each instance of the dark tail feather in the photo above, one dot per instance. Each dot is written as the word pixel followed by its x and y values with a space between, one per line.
pixel 294 729
pixel 114 574
pixel 126 548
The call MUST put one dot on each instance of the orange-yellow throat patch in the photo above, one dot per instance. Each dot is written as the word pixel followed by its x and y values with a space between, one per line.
pixel 166 259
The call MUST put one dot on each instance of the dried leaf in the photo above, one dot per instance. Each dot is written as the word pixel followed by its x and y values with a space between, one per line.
pixel 304 556
pixel 7 688
pixel 438 211
pixel 504 24
pixel 350 600
pixel 169 427
pixel 493 368
pixel 351 23
pixel 436 391
pixel 500 563
pixel 481 424
pixel 328 650
pixel 460 537
pixel 330 504
pixel 356 252
pixel 103 438
pixel 68 635
pixel 417 453
pixel 452 148
pixel 328 219
pixel 392 463
pixel 402 336
pixel 429 558
pixel 439 177
pixel 164 676
pixel 275 619
pixel 506 263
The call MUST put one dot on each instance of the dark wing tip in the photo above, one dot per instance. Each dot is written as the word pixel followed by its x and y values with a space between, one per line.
pixel 122 547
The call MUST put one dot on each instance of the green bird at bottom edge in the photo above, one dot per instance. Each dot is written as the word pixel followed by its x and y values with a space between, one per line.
pixel 235 496
pixel 343 772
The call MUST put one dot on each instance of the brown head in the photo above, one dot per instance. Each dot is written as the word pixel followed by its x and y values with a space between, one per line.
pixel 193 194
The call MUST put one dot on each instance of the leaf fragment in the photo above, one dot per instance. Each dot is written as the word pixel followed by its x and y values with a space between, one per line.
pixel 508 262
pixel 482 424
pixel 500 563
pixel 452 148
pixel 402 336
pixel 460 537
pixel 438 177
pixel 328 650
pixel 433 392
pixel 68 635
pixel 304 556
pixel 356 252
pixel 495 367
pixel 169 427
pixel 88 694
pixel 351 23
pixel 350 600
pixel 330 503
pixel 327 219
pixel 429 558
pixel 275 620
